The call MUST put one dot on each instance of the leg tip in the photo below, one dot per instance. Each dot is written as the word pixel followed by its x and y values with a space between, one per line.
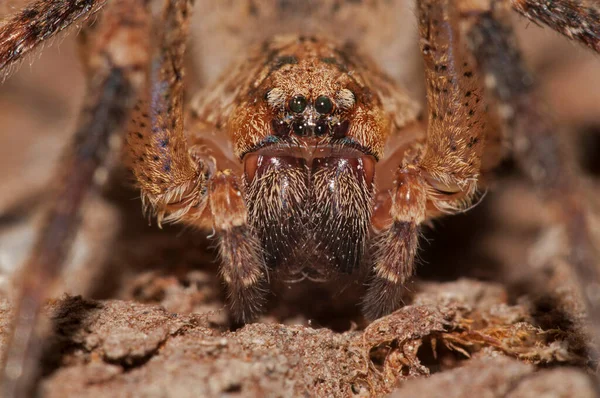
pixel 383 297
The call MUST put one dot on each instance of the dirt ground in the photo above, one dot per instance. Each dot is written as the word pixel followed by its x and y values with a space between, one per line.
pixel 494 310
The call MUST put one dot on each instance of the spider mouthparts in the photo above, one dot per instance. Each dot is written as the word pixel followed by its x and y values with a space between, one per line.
pixel 361 165
pixel 322 202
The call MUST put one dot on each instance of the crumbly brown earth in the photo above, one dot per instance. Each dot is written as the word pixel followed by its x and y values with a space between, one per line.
pixel 493 312
pixel 463 335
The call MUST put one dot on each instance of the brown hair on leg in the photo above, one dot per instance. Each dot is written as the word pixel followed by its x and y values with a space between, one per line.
pixel 39 22
pixel 242 262
pixel 442 176
pixel 395 247
pixel 117 75
pixel 172 181
pixel 538 150
pixel 180 183
pixel 576 19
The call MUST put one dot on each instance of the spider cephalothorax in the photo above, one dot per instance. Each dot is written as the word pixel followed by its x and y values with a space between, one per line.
pixel 301 88
pixel 309 175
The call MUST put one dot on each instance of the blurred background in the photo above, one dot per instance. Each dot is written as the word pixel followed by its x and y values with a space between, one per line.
pixel 119 255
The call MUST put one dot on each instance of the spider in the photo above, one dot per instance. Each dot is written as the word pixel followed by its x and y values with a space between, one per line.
pixel 305 159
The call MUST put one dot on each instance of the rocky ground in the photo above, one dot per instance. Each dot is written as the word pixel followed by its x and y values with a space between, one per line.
pixel 494 310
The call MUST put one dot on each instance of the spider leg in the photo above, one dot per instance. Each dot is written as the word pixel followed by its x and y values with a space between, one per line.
pixel 182 183
pixel 110 94
pixel 441 177
pixel 537 147
pixel 576 19
pixel 37 23
pixel 242 262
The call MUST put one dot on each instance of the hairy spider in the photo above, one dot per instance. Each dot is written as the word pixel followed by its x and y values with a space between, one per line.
pixel 305 159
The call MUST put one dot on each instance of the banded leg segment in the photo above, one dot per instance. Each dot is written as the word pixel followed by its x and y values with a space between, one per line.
pixel 395 247
pixel 537 146
pixel 38 22
pixel 242 263
pixel 170 179
pixel 181 183
pixel 117 61
pixel 457 117
pixel 576 19
pixel 442 176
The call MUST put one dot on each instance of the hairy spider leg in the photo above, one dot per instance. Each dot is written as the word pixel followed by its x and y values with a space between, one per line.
pixel 182 183
pixel 39 22
pixel 441 177
pixel 576 19
pixel 543 158
pixel 117 77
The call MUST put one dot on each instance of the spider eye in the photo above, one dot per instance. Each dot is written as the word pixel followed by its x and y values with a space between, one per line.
pixel 323 105
pixel 300 128
pixel 280 128
pixel 341 129
pixel 321 128
pixel 298 104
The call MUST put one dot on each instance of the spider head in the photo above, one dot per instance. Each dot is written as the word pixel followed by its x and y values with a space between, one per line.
pixel 309 132
pixel 307 92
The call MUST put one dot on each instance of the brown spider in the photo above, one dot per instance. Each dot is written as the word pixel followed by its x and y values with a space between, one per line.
pixel 305 159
